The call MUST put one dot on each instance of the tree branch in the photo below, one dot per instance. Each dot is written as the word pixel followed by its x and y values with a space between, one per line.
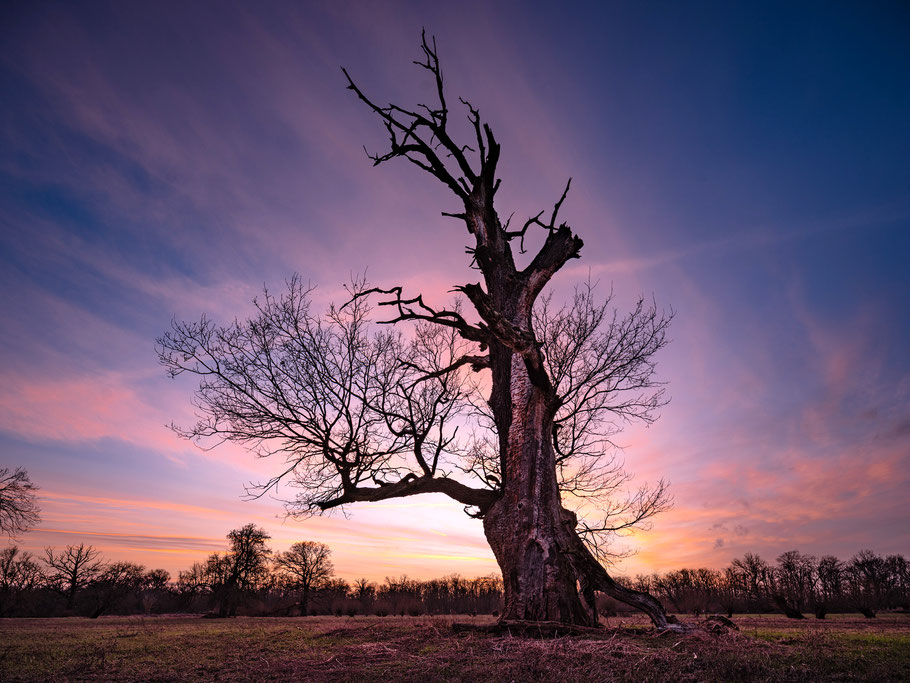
pixel 416 136
pixel 415 309
pixel 412 485
pixel 477 364
pixel 535 220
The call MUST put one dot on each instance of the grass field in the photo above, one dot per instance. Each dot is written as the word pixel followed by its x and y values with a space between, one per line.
pixel 180 648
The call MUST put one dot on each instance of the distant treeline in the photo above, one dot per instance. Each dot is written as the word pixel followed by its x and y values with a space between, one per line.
pixel 794 584
pixel 28 590
pixel 249 579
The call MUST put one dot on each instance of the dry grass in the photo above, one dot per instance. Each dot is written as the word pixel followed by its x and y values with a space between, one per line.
pixel 180 648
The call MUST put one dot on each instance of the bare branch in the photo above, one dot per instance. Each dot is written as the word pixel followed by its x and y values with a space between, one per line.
pixel 621 516
pixel 535 220
pixel 19 510
pixel 411 485
pixel 415 309
pixel 477 364
pixel 602 366
pixel 414 136
pixel 342 405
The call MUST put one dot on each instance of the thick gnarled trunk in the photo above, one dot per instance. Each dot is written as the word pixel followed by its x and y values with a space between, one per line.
pixel 526 527
pixel 538 580
pixel 542 559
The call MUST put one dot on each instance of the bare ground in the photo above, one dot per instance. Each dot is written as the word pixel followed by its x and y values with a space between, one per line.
pixel 187 648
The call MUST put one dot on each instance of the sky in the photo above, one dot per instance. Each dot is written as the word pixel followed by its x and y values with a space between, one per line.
pixel 744 163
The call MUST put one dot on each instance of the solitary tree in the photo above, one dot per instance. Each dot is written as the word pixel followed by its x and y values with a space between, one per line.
pixel 72 569
pixel 367 416
pixel 19 510
pixel 306 565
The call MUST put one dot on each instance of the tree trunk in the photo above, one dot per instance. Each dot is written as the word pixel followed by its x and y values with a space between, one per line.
pixel 304 600
pixel 540 555
pixel 525 527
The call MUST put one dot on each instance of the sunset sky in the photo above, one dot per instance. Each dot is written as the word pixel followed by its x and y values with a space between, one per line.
pixel 748 164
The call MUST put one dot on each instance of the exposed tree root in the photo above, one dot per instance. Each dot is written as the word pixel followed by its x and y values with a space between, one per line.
pixel 593 576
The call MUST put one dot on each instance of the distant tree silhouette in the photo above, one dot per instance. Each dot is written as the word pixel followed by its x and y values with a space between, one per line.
pixel 362 416
pixel 19 574
pixel 897 569
pixel 867 583
pixel 755 578
pixel 364 589
pixel 115 583
pixel 156 579
pixel 868 580
pixel 19 510
pixel 830 573
pixel 192 582
pixel 795 577
pixel 72 569
pixel 306 567
pixel 155 588
pixel 233 575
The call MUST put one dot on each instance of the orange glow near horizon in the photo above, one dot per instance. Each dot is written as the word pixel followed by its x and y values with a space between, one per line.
pixel 160 165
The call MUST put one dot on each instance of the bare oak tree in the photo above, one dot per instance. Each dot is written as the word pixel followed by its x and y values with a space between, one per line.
pixel 360 415
pixel 72 569
pixel 306 566
pixel 18 503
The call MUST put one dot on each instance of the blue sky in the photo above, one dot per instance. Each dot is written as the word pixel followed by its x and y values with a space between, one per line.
pixel 745 163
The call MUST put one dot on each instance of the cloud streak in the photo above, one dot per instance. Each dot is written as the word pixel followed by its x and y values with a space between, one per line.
pixel 169 163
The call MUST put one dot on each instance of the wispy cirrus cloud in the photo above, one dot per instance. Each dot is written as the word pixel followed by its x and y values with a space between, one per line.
pixel 170 163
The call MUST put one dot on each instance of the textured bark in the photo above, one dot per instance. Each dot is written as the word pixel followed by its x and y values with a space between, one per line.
pixel 542 558
pixel 525 527
pixel 540 555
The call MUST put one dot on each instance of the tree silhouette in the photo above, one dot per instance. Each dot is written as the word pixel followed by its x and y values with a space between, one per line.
pixel 361 415
pixel 235 574
pixel 115 582
pixel 19 574
pixel 19 510
pixel 306 566
pixel 72 569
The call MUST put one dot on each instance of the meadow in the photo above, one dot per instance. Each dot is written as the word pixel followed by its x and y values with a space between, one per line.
pixel 427 648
